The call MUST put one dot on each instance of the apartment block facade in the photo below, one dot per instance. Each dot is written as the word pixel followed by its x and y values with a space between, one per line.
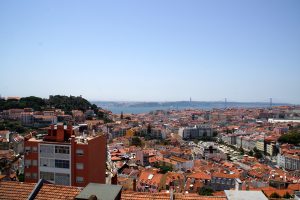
pixel 66 158
pixel 195 132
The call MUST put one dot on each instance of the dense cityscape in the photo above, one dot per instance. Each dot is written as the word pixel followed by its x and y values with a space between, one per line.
pixel 69 146
pixel 149 100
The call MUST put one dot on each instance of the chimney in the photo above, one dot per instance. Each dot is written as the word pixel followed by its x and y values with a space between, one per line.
pixel 114 178
pixel 134 185
pixel 69 129
pixel 238 184
pixel 171 191
pixel 73 139
pixel 60 134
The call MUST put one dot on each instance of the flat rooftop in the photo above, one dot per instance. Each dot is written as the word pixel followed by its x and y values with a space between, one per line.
pixel 101 191
pixel 244 195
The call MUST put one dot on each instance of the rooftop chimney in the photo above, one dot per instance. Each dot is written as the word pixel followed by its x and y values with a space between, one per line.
pixel 114 179
pixel 238 184
pixel 60 134
pixel 134 185
pixel 171 191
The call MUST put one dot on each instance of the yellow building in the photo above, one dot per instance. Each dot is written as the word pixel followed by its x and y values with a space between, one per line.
pixel 270 148
pixel 129 133
pixel 260 145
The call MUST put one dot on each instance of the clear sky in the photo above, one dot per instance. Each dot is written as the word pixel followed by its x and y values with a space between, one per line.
pixel 155 50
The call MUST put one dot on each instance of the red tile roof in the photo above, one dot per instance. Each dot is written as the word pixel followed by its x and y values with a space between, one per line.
pixel 49 192
pixel 11 190
pixel 222 175
pixel 200 175
pixel 129 195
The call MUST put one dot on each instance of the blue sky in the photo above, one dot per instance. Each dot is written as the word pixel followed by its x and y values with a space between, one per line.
pixel 151 50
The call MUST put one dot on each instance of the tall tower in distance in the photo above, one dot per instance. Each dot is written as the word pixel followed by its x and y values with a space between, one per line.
pixel 271 103
pixel 225 103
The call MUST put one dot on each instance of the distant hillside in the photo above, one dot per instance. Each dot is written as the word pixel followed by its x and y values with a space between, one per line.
pixel 145 107
pixel 195 104
pixel 69 103
pixel 66 103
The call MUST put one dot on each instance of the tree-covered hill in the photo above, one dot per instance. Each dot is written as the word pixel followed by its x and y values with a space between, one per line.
pixel 69 103
pixel 66 103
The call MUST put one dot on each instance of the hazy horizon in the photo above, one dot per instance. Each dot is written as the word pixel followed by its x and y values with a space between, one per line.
pixel 159 101
pixel 245 51
pixel 231 101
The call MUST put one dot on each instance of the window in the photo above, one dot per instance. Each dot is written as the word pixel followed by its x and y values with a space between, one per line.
pixel 27 175
pixel 34 175
pixel 79 165
pixel 62 164
pixel 34 162
pixel 79 179
pixel 47 150
pixel 79 152
pixel 47 176
pixel 62 149
pixel 27 163
pixel 27 149
pixel 62 179
pixel 45 162
pixel 34 149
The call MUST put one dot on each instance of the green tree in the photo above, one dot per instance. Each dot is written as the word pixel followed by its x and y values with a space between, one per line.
pixel 36 103
pixel 258 155
pixel 21 177
pixel 251 153
pixel 122 115
pixel 255 149
pixel 228 157
pixel 13 126
pixel 275 195
pixel 149 128
pixel 287 196
pixel 165 169
pixel 103 116
pixel 292 137
pixel 69 103
pixel 205 191
pixel 57 101
pixel 136 141
pixel 241 150
pixel 215 133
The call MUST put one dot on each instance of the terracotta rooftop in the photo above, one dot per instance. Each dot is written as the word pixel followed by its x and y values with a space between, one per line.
pixel 222 175
pixel 129 195
pixel 11 190
pixel 200 175
pixel 49 191
pixel 270 190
